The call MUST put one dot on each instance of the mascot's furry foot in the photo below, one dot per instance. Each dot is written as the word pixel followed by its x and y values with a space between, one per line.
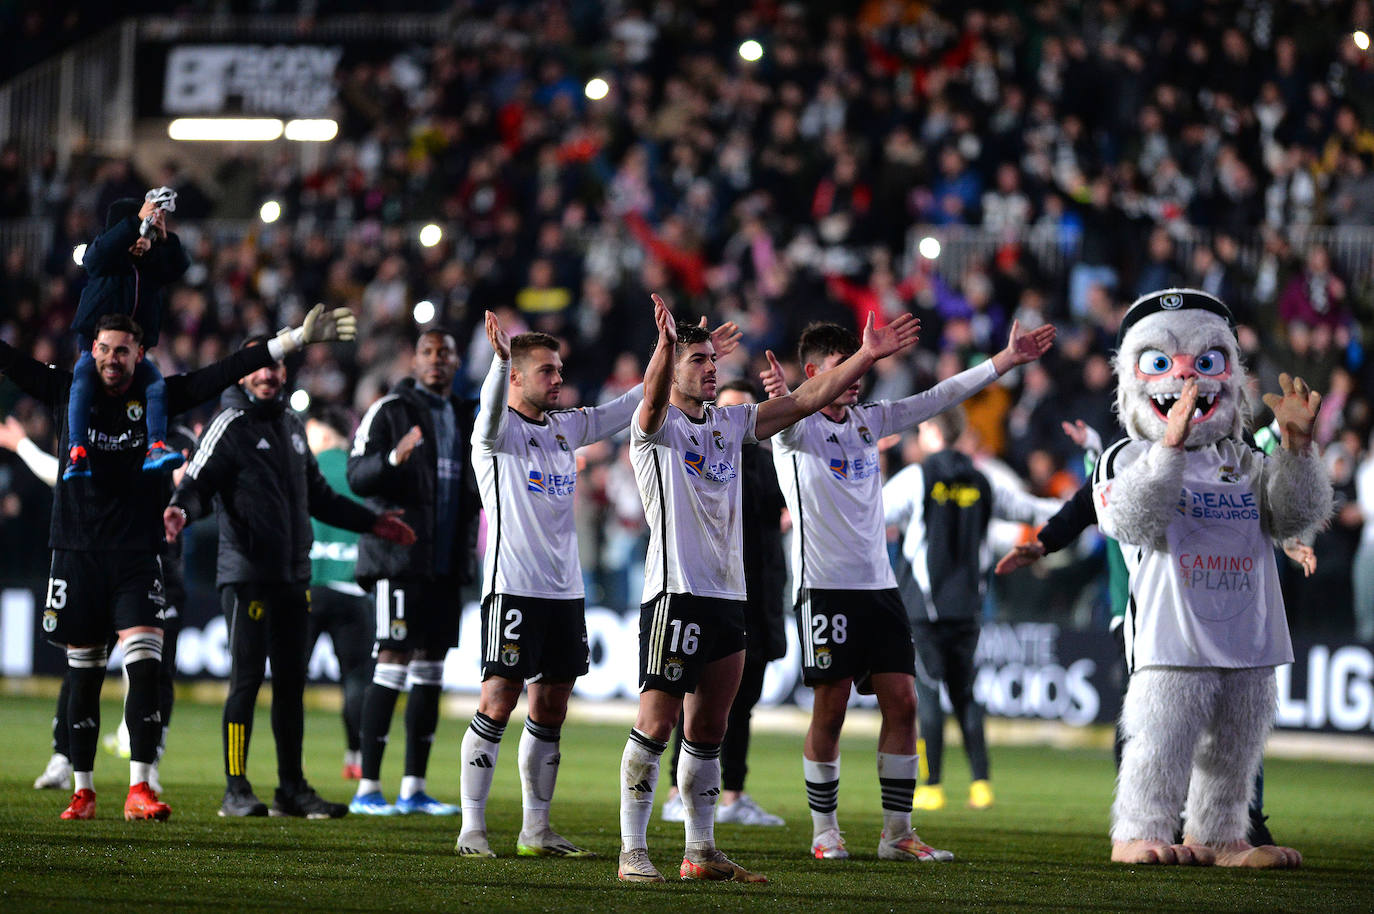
pixel 1244 854
pixel 1146 852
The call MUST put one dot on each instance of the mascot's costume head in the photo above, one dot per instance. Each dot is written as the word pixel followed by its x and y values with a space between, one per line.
pixel 1167 337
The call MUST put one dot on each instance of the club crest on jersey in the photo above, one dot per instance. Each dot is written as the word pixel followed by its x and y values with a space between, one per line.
pixel 865 434
pixel 823 658
pixel 720 442
pixel 298 443
pixel 536 483
pixel 510 654
pixel 562 443
pixel 50 620
pixel 134 410
pixel 398 630
pixel 839 467
pixel 672 669
pixel 1228 473
pixel 255 610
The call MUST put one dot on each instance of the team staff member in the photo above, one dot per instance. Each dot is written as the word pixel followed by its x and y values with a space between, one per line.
pixel 851 623
pixel 686 456
pixel 943 505
pixel 254 469
pixel 337 604
pixel 410 455
pixel 105 536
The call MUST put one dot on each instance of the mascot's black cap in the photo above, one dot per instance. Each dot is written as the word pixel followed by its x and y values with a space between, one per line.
pixel 121 209
pixel 1173 300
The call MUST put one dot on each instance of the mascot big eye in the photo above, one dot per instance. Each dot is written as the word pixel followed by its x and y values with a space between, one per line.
pixel 1197 511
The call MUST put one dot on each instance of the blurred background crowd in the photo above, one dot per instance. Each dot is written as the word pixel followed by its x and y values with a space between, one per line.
pixel 973 163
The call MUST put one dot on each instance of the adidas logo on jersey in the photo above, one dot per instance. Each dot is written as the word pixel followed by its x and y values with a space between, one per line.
pixel 534 443
pixel 832 439
pixel 263 445
pixel 482 761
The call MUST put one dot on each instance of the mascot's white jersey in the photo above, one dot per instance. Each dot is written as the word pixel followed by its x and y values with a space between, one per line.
pixel 1212 598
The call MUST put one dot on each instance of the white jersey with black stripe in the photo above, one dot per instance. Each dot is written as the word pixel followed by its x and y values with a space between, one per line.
pixel 688 476
pixel 527 475
pixel 830 476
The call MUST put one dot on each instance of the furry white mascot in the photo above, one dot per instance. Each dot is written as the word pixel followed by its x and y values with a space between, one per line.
pixel 1197 512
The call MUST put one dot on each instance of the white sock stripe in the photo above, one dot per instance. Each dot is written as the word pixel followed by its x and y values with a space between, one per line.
pixel 425 672
pixel 87 658
pixel 142 646
pixel 390 675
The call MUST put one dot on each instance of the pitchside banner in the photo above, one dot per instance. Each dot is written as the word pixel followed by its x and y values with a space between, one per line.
pixel 1025 670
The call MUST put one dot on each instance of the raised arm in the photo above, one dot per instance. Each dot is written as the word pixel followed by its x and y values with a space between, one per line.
pixel 491 419
pixel 658 376
pixel 1020 349
pixel 822 389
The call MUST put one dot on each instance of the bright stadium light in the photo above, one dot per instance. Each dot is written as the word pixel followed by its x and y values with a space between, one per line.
pixel 929 248
pixel 79 253
pixel 751 50
pixel 1361 39
pixel 300 400
pixel 431 235
pixel 597 88
pixel 424 311
pixel 312 130
pixel 237 129
pixel 270 212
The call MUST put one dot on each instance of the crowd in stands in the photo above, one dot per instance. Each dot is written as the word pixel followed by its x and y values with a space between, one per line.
pixel 1155 143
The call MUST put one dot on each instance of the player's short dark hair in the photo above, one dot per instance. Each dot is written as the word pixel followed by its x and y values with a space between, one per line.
pixel 334 416
pixel 950 423
pixel 823 339
pixel 122 323
pixel 440 330
pixel 743 385
pixel 689 335
pixel 523 344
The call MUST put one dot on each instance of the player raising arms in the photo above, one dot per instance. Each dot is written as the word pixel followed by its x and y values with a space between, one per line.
pixel 533 625
pixel 851 622
pixel 686 456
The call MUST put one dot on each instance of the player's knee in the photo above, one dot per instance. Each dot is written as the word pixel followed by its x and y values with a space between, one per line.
pixel 88 658
pixel 499 697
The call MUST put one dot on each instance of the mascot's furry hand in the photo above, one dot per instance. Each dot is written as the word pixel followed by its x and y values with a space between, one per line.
pixel 1296 412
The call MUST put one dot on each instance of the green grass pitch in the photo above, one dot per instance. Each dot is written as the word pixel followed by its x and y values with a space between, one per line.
pixel 1043 847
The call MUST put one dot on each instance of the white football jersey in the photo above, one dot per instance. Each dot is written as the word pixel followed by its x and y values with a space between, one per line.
pixel 829 473
pixel 1211 599
pixel 527 474
pixel 688 476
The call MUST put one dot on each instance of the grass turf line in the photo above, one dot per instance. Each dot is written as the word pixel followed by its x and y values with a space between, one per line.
pixel 1043 847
